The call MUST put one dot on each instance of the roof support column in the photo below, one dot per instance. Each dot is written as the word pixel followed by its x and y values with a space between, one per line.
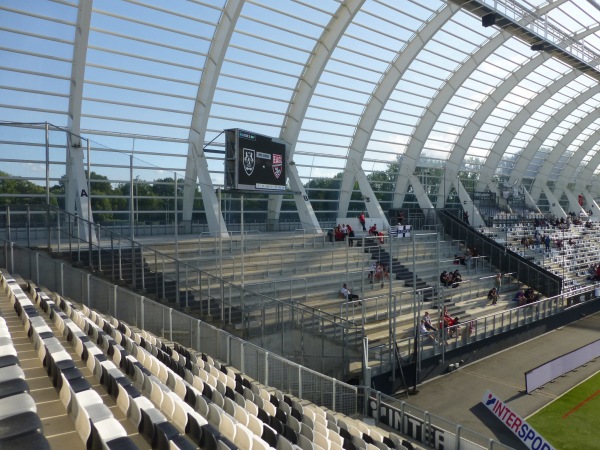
pixel 77 194
pixel 196 165
pixel 308 219
pixel 196 162
pixel 592 205
pixel 371 202
pixel 555 207
pixel 304 91
pixel 536 189
pixel 529 201
pixel 573 202
pixel 420 192
pixel 468 204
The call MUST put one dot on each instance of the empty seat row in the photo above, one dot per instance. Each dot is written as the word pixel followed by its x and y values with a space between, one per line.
pixel 94 421
pixel 238 396
pixel 166 390
pixel 20 424
pixel 150 422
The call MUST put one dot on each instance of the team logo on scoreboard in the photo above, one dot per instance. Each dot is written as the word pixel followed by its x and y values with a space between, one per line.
pixel 249 161
pixel 277 165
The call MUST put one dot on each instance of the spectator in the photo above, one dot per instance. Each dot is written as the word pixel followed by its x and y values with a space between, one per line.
pixel 445 279
pixel 372 271
pixel 493 295
pixel 427 320
pixel 468 256
pixel 547 242
pixel 456 278
pixel 379 273
pixel 466 217
pixel 531 296
pixel 459 260
pixel 362 220
pixel 348 295
pixel 350 236
pixel 498 283
pixel 386 273
pixel 423 331
pixel 519 298
pixel 330 234
pixel 454 330
pixel 373 230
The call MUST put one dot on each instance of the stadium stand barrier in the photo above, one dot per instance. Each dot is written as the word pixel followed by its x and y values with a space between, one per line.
pixel 166 374
pixel 209 297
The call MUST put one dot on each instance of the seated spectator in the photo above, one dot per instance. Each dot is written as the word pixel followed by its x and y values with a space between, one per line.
pixel 459 260
pixel 452 324
pixel 373 230
pixel 445 279
pixel 519 298
pixel 448 320
pixel 423 331
pixel 347 294
pixel 379 273
pixel 456 278
pixel 427 320
pixel 493 295
pixel 531 296
pixel 455 329
pixel 339 236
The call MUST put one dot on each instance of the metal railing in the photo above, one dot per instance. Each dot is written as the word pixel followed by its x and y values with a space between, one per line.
pixel 185 287
pixel 501 257
pixel 482 328
pixel 261 365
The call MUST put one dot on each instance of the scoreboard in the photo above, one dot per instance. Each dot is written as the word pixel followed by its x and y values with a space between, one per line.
pixel 254 161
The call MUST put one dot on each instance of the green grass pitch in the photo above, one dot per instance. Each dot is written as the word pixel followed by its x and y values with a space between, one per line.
pixel 572 421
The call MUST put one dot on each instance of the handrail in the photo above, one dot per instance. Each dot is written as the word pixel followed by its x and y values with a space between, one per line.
pixel 271 282
pixel 490 325
pixel 348 308
pixel 101 232
pixel 500 256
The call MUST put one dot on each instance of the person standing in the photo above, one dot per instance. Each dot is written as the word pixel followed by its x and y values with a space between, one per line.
pixel 350 236
pixel 498 283
pixel 362 220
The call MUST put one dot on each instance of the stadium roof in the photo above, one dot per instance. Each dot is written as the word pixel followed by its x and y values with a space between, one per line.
pixel 354 87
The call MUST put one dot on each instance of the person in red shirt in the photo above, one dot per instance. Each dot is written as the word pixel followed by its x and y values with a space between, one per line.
pixel 361 219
